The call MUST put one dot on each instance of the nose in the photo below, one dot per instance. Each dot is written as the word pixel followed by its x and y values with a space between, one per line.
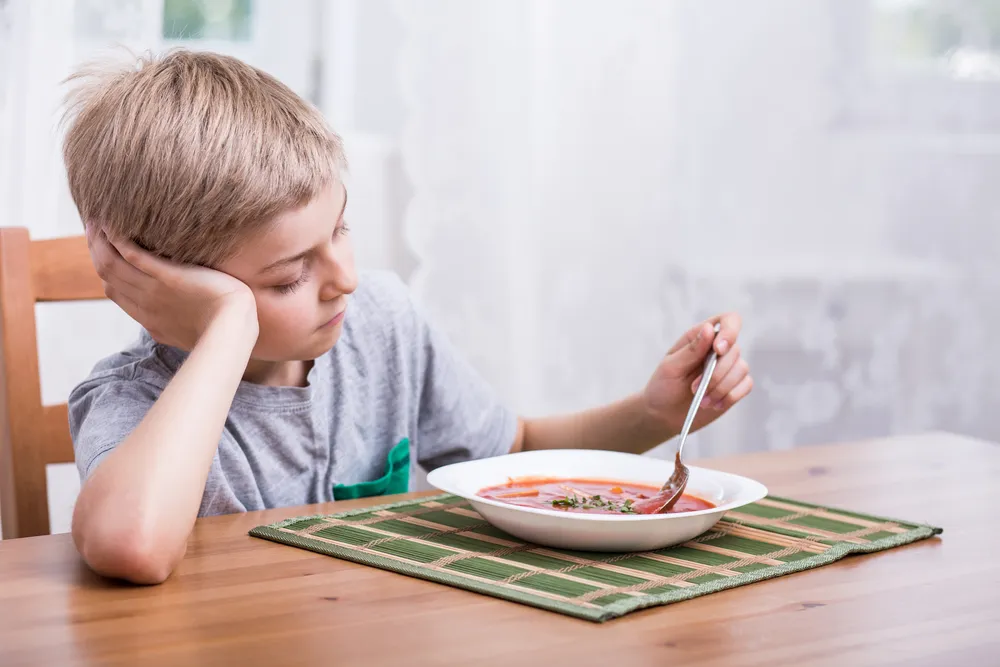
pixel 336 272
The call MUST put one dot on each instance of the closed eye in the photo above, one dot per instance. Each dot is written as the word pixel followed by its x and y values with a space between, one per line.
pixel 289 288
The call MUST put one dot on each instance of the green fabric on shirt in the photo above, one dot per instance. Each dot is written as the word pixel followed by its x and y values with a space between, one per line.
pixel 395 480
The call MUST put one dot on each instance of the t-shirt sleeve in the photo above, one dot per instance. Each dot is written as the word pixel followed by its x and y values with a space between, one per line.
pixel 103 411
pixel 460 417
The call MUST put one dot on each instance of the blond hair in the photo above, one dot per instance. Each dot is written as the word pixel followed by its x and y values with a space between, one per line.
pixel 189 153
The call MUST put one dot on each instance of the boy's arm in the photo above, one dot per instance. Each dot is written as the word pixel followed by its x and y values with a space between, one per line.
pixel 624 426
pixel 135 512
pixel 644 420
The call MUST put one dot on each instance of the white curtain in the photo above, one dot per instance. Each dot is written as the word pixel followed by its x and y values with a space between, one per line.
pixel 591 177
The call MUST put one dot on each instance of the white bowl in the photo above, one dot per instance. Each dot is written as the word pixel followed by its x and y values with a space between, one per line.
pixel 594 532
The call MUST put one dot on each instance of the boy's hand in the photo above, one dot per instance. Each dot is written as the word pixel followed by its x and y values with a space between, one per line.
pixel 671 389
pixel 174 303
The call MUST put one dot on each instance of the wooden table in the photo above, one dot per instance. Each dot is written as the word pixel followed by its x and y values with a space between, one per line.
pixel 243 601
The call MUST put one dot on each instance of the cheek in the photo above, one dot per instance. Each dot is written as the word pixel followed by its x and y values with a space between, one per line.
pixel 285 318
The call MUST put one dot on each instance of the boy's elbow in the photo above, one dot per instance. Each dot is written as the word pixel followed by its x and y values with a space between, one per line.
pixel 126 553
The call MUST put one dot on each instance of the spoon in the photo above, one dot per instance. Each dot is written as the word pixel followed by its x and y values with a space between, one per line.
pixel 674 487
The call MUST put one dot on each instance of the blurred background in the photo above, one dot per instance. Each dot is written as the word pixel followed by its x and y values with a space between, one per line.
pixel 568 185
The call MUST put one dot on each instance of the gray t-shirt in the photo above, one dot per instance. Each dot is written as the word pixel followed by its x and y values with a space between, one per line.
pixel 390 376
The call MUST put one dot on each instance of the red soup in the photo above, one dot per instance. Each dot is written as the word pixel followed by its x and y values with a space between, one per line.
pixel 589 496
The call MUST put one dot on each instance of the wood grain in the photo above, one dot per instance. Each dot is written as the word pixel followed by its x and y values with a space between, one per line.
pixel 239 600
pixel 33 435
pixel 23 497
pixel 57 442
pixel 61 270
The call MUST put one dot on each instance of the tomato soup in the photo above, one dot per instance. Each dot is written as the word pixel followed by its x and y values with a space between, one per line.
pixel 588 496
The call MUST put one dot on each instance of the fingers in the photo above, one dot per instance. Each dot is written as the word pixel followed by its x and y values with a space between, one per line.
pixel 737 393
pixel 728 383
pixel 725 365
pixel 688 354
pixel 110 265
pixel 729 330
pixel 145 262
pixel 689 336
pixel 730 325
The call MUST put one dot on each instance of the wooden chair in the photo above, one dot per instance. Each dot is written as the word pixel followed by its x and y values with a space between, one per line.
pixel 33 435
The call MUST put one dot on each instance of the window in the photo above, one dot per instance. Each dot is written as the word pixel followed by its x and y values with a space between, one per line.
pixel 919 71
pixel 210 20
pixel 959 39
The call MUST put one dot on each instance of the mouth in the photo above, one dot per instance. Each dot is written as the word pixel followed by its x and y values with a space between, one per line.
pixel 337 319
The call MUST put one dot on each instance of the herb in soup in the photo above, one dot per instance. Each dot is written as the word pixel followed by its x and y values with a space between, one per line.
pixel 588 496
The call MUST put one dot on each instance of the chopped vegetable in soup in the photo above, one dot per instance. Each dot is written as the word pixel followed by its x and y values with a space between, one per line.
pixel 588 495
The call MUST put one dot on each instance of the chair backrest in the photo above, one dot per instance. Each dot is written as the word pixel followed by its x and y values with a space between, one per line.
pixel 33 435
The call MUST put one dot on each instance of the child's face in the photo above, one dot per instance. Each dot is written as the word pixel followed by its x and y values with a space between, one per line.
pixel 301 270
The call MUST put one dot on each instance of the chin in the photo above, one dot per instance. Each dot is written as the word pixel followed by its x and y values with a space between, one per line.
pixel 318 344
pixel 322 343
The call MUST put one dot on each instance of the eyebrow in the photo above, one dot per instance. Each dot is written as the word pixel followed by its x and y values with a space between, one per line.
pixel 295 258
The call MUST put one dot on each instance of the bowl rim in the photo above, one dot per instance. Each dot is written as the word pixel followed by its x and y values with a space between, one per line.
pixel 755 491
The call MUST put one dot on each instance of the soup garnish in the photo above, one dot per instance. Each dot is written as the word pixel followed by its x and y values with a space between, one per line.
pixel 588 496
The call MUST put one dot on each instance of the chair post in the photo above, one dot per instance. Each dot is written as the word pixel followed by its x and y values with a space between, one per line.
pixel 23 488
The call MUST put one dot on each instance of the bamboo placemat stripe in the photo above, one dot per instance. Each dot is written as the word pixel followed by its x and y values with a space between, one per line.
pixel 721 568
pixel 739 530
pixel 610 564
pixel 815 533
pixel 841 513
pixel 789 524
pixel 451 557
pixel 695 570
pixel 442 539
pixel 822 512
pixel 383 515
pixel 768 559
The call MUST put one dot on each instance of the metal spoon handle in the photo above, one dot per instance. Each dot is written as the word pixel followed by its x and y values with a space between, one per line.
pixel 699 395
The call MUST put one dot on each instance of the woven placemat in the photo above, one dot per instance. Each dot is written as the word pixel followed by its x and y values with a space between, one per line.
pixel 444 540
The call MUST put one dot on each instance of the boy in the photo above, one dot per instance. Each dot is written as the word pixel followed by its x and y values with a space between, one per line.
pixel 268 373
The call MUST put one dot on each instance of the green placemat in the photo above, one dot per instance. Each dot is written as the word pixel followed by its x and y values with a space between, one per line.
pixel 444 540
